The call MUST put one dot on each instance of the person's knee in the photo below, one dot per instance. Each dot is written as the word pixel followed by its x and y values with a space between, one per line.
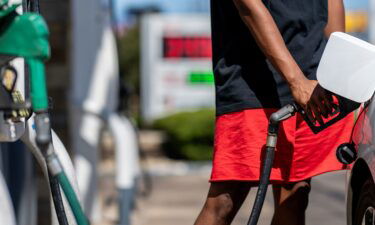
pixel 301 191
pixel 291 201
pixel 225 198
pixel 221 205
pixel 294 196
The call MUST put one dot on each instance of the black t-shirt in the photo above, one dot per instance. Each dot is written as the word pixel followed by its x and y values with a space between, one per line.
pixel 244 78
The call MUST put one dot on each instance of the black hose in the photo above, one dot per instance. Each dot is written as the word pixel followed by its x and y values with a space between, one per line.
pixel 263 185
pixel 57 200
pixel 273 127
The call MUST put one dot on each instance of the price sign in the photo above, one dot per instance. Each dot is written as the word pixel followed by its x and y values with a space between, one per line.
pixel 176 65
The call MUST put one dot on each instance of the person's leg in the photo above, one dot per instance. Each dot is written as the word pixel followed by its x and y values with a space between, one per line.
pixel 223 202
pixel 291 202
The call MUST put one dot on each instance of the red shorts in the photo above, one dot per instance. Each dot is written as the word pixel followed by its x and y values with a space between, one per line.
pixel 300 154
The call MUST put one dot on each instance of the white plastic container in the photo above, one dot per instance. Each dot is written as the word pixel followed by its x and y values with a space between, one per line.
pixel 347 67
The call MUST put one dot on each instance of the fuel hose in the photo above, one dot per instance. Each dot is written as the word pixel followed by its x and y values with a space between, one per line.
pixel 57 200
pixel 273 127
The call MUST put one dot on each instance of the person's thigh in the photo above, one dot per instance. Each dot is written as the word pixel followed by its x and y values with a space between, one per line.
pixel 223 201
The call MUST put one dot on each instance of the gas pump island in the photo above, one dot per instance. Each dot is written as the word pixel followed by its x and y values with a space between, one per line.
pixel 26 36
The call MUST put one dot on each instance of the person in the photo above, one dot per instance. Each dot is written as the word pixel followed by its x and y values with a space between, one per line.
pixel 265 55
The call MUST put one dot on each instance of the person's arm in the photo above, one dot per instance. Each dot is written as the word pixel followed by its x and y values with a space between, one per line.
pixel 336 17
pixel 263 28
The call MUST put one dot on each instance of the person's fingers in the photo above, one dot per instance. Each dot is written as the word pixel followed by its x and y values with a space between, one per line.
pixel 321 101
pixel 317 114
pixel 327 98
pixel 328 104
pixel 322 109
pixel 309 114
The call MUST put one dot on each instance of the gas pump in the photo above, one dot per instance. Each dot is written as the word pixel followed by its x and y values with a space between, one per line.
pixel 26 36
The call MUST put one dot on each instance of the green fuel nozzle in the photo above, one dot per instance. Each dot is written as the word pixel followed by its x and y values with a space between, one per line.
pixel 26 36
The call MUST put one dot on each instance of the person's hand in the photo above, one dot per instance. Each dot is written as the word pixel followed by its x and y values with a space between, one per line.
pixel 314 99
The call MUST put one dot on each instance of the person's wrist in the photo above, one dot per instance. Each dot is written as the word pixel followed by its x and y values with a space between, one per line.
pixel 296 81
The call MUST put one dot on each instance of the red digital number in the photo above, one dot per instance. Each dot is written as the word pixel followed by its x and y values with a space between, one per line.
pixel 187 47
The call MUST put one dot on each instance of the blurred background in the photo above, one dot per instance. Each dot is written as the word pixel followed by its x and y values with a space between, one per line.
pixel 133 101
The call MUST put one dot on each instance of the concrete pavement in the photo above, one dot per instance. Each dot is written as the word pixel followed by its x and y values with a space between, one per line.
pixel 177 199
